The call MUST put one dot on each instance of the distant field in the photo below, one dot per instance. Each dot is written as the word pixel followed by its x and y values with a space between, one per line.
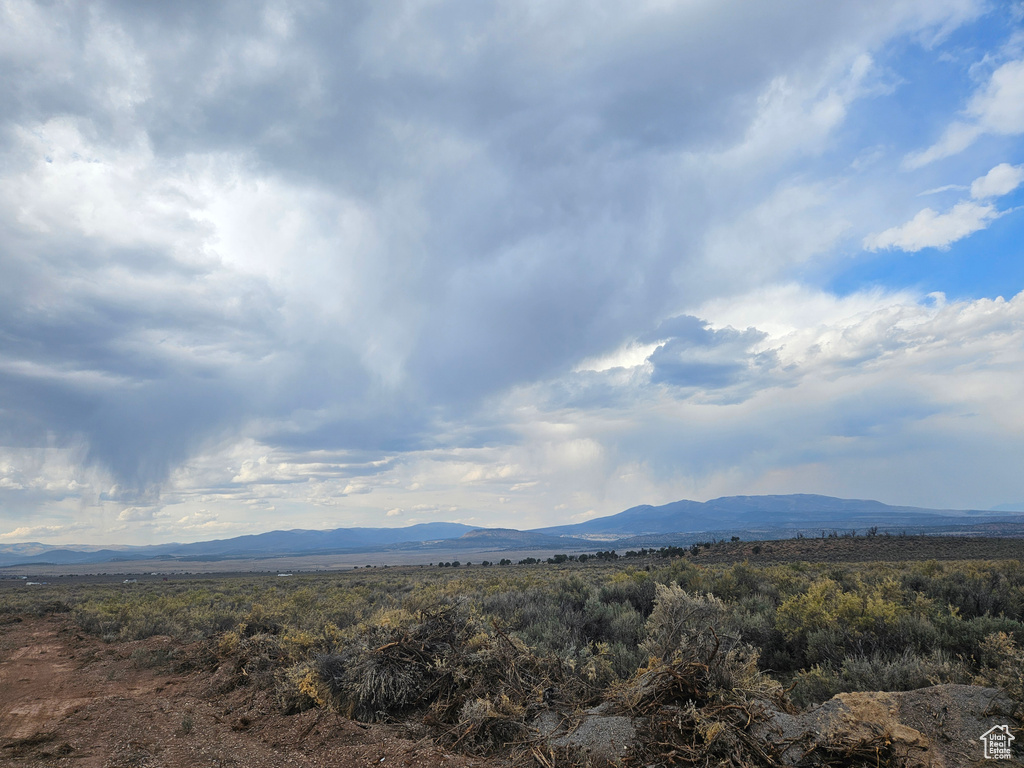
pixel 866 549
pixel 837 549
pixel 303 563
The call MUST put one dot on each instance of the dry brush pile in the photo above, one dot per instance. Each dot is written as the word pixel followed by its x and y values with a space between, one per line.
pixel 474 688
pixel 701 693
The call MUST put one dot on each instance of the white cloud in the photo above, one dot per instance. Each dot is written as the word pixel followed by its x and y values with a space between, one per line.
pixel 202 520
pixel 943 188
pixel 628 355
pixel 999 108
pixel 136 514
pixel 67 184
pixel 819 107
pixel 996 108
pixel 795 224
pixel 1001 180
pixel 787 308
pixel 356 488
pixel 929 229
pixel 957 138
pixel 861 393
pixel 27 532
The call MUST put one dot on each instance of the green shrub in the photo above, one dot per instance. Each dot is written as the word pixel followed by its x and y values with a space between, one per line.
pixel 905 672
pixel 815 685
pixel 637 592
pixel 1002 664
pixel 683 623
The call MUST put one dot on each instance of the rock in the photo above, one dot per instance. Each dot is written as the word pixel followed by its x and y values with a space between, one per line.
pixel 603 738
pixel 938 727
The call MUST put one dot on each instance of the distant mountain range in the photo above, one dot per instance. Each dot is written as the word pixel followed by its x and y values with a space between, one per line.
pixel 681 521
pixel 269 544
pixel 795 511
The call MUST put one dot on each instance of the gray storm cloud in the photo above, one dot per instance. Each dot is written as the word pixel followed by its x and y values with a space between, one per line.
pixel 346 226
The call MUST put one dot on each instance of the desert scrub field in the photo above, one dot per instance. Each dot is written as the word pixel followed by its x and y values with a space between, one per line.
pixel 475 653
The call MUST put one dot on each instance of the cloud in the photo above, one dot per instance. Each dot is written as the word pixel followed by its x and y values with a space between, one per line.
pixel 1000 107
pixel 278 469
pixel 358 488
pixel 895 379
pixel 136 514
pixel 1001 180
pixel 940 190
pixel 860 386
pixel 929 229
pixel 996 108
pixel 957 138
pixel 691 354
pixel 201 520
pixel 27 532
pixel 296 263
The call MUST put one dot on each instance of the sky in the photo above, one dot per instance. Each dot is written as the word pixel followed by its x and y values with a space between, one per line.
pixel 276 265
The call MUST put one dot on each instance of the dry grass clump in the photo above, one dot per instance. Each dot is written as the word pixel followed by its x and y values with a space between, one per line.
pixel 487 725
pixel 195 657
pixel 877 750
pixel 394 663
pixel 475 688
pixel 260 653
pixel 701 691
pixel 254 659
pixel 699 709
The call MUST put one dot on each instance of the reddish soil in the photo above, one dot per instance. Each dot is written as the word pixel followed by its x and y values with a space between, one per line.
pixel 67 699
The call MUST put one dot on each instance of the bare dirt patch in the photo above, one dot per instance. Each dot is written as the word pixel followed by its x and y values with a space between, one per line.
pixel 68 699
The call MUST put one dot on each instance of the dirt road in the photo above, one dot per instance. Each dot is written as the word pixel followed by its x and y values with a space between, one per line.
pixel 67 699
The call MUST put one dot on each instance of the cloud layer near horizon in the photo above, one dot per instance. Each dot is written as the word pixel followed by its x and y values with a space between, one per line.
pixel 297 265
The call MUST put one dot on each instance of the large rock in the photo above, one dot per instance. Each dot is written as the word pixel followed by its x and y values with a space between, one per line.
pixel 938 727
pixel 598 737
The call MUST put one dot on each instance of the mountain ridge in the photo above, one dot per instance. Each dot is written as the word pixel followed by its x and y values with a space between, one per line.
pixel 772 516
pixel 785 511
